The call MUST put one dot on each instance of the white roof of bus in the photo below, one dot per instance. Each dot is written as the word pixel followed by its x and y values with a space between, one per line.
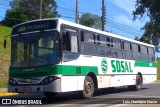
pixel 61 21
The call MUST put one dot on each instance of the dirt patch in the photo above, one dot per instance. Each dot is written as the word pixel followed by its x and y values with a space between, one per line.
pixel 4 65
pixel 3 89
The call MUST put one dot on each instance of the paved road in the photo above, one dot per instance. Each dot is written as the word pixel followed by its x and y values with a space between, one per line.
pixel 150 93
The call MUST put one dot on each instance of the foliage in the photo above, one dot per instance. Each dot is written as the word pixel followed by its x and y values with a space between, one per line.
pixel 14 17
pixel 4 55
pixel 3 82
pixel 24 10
pixel 152 28
pixel 143 39
pixel 32 7
pixel 149 7
pixel 158 69
pixel 5 32
pixel 91 20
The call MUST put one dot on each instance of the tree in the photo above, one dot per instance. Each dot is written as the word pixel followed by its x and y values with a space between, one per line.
pixel 14 17
pixel 30 10
pixel 91 20
pixel 149 7
pixel 143 39
pixel 151 28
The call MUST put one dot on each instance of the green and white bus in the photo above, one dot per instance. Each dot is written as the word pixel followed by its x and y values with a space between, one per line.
pixel 54 56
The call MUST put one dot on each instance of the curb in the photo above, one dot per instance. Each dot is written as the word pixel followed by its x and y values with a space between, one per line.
pixel 156 82
pixel 8 94
pixel 2 90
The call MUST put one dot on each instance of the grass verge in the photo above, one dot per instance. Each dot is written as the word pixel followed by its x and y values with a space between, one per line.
pixel 3 81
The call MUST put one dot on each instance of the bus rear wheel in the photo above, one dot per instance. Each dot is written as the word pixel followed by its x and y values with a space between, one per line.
pixel 88 88
pixel 138 85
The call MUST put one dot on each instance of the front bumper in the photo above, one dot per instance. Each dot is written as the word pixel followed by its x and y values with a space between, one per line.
pixel 54 86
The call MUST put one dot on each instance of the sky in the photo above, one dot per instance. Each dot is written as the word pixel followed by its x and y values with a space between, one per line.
pixel 118 14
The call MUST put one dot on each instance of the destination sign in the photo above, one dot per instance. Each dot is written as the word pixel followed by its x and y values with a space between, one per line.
pixel 34 26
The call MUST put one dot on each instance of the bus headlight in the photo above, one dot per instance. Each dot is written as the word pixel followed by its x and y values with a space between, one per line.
pixel 48 80
pixel 13 82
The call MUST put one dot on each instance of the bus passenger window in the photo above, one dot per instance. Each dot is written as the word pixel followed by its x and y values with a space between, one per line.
pixel 108 41
pixel 139 49
pixel 70 42
pixel 101 40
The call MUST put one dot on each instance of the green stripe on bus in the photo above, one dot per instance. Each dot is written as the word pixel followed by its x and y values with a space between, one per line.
pixel 53 70
pixel 78 70
pixel 145 64
pixel 74 70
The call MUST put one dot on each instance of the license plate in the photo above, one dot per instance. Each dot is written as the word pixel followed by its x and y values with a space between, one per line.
pixel 27 89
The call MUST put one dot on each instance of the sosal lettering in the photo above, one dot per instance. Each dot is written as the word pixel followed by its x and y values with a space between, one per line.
pixel 121 66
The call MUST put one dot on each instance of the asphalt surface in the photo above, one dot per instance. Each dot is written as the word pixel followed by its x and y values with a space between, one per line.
pixel 118 97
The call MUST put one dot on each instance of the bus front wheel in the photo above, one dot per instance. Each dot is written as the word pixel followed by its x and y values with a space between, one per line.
pixel 88 88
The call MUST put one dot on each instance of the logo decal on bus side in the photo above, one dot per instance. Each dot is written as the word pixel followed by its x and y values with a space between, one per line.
pixel 121 66
pixel 104 65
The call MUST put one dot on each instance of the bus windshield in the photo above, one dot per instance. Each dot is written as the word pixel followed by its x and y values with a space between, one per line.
pixel 35 49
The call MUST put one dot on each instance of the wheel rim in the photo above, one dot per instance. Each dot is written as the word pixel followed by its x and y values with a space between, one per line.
pixel 88 88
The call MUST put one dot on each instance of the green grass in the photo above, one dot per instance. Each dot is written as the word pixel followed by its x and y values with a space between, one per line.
pixel 4 55
pixel 158 68
pixel 5 31
pixel 3 81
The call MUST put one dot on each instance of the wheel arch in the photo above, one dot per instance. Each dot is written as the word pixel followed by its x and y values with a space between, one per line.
pixel 94 78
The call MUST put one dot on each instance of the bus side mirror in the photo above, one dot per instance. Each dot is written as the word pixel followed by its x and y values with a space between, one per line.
pixel 5 44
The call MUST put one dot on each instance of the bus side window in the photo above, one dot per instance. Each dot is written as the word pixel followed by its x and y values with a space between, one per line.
pixel 151 54
pixel 128 50
pixel 70 42
pixel 144 55
pixel 88 43
pixel 108 41
pixel 139 49
pixel 122 44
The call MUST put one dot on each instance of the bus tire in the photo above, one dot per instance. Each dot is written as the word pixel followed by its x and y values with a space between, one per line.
pixel 138 85
pixel 88 88
pixel 50 94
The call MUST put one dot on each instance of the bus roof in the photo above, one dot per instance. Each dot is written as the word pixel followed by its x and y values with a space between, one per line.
pixel 61 21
